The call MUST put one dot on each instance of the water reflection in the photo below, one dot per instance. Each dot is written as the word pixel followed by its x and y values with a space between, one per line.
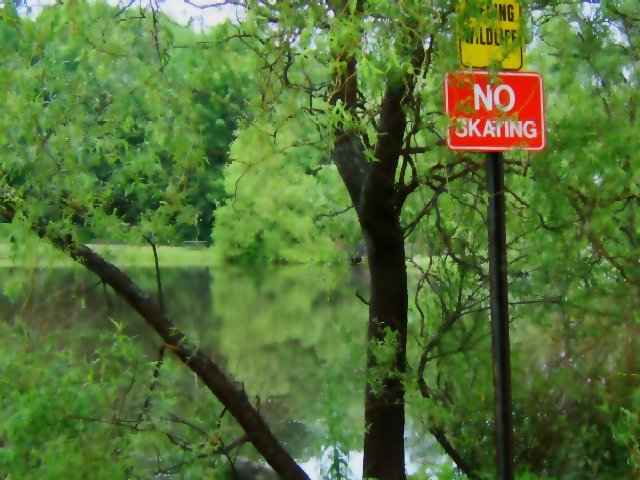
pixel 294 336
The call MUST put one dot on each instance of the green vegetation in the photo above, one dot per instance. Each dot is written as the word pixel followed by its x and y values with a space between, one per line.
pixel 44 255
pixel 263 153
pixel 85 95
pixel 81 392
pixel 81 412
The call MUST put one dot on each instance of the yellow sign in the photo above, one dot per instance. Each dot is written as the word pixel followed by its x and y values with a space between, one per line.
pixel 489 31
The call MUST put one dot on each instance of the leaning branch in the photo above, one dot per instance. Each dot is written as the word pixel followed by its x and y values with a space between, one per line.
pixel 446 445
pixel 232 398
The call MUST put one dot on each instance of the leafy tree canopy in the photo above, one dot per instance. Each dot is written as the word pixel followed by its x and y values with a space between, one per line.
pixel 102 139
pixel 106 133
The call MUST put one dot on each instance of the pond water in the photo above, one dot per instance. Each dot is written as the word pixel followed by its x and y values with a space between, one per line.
pixel 295 338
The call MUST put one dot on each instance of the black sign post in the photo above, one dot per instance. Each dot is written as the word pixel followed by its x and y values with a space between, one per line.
pixel 500 315
pixel 478 123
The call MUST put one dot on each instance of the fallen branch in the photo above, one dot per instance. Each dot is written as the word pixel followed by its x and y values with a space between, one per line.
pixel 224 389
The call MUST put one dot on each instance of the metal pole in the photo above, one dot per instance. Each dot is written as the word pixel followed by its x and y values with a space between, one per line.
pixel 500 316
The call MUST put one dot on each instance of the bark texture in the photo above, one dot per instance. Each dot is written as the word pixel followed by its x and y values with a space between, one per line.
pixel 372 189
pixel 378 200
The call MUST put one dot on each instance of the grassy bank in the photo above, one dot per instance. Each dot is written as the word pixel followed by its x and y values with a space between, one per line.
pixel 43 255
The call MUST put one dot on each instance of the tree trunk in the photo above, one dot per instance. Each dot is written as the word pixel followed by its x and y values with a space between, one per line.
pixel 374 193
pixel 387 332
pixel 372 188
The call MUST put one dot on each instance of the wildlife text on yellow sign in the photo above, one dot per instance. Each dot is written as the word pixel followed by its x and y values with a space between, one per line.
pixel 490 31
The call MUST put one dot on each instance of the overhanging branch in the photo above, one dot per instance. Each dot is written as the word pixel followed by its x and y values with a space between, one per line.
pixel 232 398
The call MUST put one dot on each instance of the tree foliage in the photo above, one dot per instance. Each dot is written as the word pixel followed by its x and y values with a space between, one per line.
pixel 342 126
pixel 104 136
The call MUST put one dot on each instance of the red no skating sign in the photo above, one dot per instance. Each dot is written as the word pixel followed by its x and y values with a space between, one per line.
pixel 496 113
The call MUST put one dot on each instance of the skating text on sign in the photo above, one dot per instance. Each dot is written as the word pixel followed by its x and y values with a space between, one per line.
pixel 490 98
pixel 490 31
pixel 497 113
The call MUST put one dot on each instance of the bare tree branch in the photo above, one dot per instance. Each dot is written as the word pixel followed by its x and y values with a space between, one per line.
pixel 214 4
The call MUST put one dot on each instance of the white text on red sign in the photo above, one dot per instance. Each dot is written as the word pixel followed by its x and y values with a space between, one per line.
pixel 495 128
pixel 495 114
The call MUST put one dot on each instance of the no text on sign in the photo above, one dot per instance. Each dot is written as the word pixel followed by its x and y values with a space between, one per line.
pixel 495 113
pixel 491 32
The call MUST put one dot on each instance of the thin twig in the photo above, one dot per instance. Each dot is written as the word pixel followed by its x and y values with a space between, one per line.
pixel 123 9
pixel 131 424
pixel 155 381
pixel 213 5
pixel 174 418
pixel 151 241
pixel 332 214
pixel 361 298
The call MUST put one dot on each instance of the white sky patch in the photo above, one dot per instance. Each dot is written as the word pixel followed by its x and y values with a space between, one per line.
pixel 313 467
pixel 200 18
